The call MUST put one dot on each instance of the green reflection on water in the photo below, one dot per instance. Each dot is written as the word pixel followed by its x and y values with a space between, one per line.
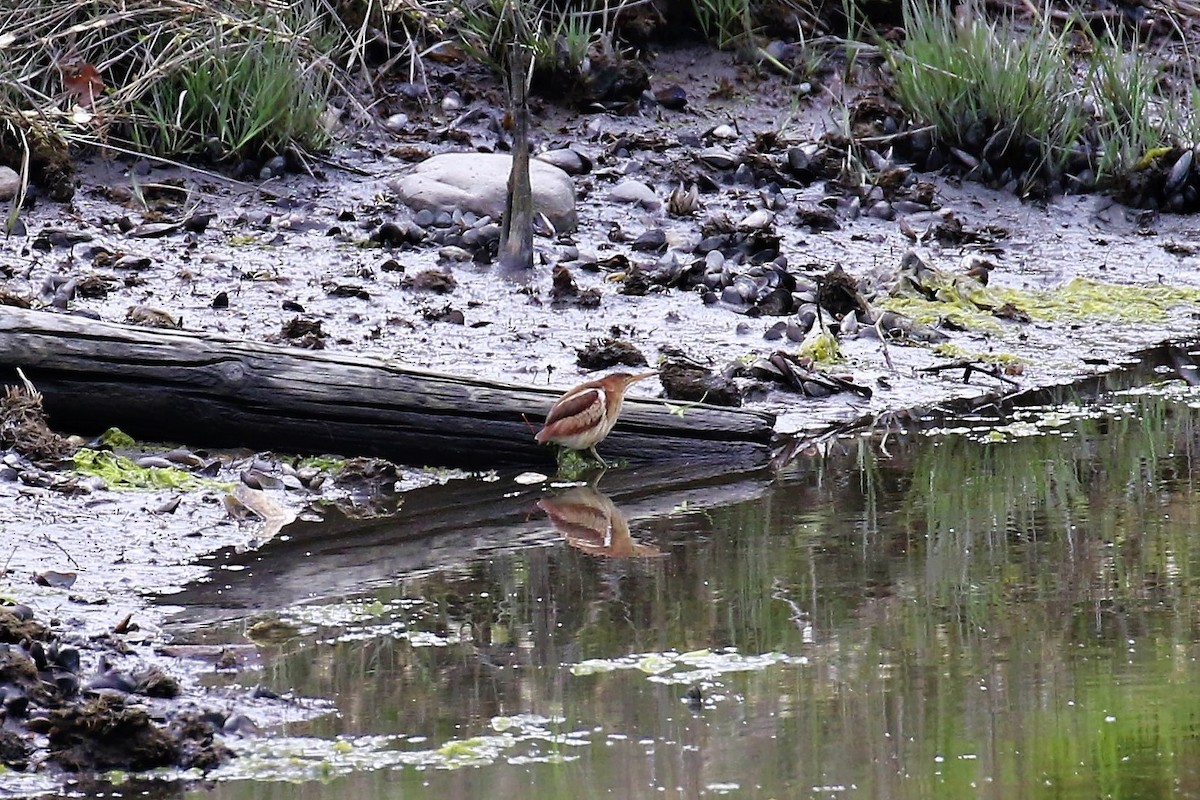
pixel 932 616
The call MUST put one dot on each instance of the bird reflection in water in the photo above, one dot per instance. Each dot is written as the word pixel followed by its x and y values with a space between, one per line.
pixel 591 522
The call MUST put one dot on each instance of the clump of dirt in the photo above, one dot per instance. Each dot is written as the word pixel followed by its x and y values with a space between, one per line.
pixel 50 164
pixel 104 733
pixel 23 427
pixel 301 332
pixel 101 723
pixel 684 379
pixel 609 352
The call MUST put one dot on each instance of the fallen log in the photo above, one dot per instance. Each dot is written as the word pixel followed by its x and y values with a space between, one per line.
pixel 205 390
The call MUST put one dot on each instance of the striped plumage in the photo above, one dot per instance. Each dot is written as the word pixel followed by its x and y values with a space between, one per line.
pixel 581 418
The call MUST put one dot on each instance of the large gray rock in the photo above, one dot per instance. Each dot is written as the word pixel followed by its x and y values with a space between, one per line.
pixel 10 183
pixel 479 182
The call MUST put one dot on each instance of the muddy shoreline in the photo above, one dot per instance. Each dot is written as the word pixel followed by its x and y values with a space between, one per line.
pixel 299 248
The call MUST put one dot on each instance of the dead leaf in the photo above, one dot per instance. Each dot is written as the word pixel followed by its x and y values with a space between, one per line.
pixel 82 82
pixel 245 501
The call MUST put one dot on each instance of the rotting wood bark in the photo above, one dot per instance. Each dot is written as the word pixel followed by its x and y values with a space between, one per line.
pixel 204 390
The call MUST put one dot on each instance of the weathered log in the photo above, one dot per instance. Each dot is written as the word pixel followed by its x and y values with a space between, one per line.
pixel 211 391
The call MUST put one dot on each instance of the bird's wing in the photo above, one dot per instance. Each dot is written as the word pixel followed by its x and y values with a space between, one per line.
pixel 573 413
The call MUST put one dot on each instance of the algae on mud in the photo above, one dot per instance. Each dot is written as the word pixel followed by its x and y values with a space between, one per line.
pixel 121 472
pixel 1078 300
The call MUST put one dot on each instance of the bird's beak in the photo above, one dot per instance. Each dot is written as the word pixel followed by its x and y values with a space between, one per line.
pixel 641 376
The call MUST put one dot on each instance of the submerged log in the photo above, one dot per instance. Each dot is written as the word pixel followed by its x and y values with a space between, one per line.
pixel 211 391
pixel 441 526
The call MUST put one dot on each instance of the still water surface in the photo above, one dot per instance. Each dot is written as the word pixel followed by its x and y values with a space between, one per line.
pixel 989 611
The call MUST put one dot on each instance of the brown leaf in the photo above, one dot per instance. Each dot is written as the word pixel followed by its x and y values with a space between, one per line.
pixel 82 82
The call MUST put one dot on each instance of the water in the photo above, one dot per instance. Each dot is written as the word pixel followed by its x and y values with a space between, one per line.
pixel 991 611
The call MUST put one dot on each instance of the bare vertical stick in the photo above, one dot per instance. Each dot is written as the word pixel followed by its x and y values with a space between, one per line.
pixel 516 239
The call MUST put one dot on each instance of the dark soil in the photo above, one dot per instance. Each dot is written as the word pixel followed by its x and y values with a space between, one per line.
pixel 91 724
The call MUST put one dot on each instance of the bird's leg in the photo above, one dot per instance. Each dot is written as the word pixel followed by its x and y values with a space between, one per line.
pixel 596 456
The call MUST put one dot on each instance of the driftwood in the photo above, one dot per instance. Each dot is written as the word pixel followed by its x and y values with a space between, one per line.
pixel 210 391
pixel 440 526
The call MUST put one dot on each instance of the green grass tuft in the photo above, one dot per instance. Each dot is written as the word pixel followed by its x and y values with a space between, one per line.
pixel 978 80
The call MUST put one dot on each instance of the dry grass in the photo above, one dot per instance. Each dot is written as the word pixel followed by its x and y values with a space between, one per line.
pixel 225 78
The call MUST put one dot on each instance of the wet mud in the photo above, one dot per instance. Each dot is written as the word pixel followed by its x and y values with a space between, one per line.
pixel 309 260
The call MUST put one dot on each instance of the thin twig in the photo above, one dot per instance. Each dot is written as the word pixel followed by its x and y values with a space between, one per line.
pixel 46 538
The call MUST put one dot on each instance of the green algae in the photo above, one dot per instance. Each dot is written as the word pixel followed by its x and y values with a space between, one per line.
pixel 953 351
pixel 518 739
pixel 120 472
pixel 1080 299
pixel 822 347
pixel 1086 299
pixel 934 312
pixel 116 439
pixel 683 669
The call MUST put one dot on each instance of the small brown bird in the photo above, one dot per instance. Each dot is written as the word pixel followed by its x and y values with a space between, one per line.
pixel 581 418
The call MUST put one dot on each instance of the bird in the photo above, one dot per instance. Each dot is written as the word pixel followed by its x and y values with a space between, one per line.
pixel 581 418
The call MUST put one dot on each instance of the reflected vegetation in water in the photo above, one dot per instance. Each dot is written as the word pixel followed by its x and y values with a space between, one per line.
pixel 997 610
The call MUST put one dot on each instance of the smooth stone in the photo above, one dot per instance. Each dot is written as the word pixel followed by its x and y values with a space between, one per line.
pixel 10 183
pixel 757 220
pixel 478 183
pixel 635 192
pixel 718 158
pixel 881 210
pixel 569 161
pixel 490 232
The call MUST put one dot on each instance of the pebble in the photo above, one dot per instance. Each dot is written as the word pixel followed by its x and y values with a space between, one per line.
pixel 454 254
pixel 569 161
pixel 881 210
pixel 653 239
pixel 757 220
pixel 909 207
pixel 718 158
pixel 274 167
pixel 631 191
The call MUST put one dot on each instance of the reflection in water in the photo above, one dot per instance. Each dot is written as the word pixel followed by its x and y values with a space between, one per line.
pixel 591 522
pixel 1013 612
